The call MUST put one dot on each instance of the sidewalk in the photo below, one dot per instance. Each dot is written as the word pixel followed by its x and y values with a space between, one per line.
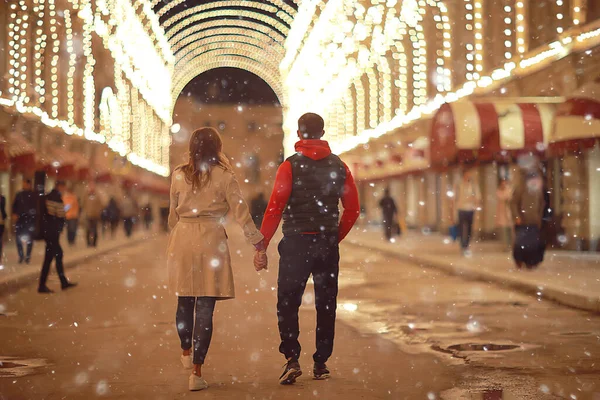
pixel 14 275
pixel 567 277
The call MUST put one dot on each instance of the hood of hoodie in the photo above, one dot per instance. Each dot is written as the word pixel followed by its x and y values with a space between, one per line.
pixel 312 148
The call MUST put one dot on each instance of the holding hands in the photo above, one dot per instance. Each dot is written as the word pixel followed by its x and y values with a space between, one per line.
pixel 260 257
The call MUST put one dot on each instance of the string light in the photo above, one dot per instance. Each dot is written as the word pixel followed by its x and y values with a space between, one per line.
pixel 71 70
pixel 521 26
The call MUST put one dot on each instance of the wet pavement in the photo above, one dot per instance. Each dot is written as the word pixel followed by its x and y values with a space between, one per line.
pixel 404 332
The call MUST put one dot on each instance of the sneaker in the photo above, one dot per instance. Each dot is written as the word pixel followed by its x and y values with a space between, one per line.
pixel 45 289
pixel 291 371
pixel 321 372
pixel 186 361
pixel 197 383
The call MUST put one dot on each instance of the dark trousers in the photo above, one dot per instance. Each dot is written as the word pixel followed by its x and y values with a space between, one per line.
pixel 388 222
pixel 24 232
pixel 53 252
pixel 92 232
pixel 71 230
pixel 113 228
pixel 128 224
pixel 200 332
pixel 465 226
pixel 1 242
pixel 301 256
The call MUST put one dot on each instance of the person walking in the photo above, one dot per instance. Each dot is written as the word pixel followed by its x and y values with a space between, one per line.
pixel 390 214
pixel 528 206
pixel 113 214
pixel 503 215
pixel 52 224
pixel 93 212
pixel 468 200
pixel 24 211
pixel 308 188
pixel 129 211
pixel 148 217
pixel 202 192
pixel 258 207
pixel 72 215
pixel 3 217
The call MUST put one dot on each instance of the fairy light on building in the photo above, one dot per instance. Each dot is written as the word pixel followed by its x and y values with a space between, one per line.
pixel 521 33
pixel 71 70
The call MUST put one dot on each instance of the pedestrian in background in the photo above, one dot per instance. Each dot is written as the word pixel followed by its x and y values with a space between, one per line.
pixel 72 215
pixel 504 220
pixel 468 200
pixel 163 210
pixel 2 222
pixel 24 210
pixel 203 191
pixel 258 206
pixel 390 214
pixel 129 211
pixel 113 215
pixel 93 212
pixel 147 215
pixel 52 224
pixel 527 205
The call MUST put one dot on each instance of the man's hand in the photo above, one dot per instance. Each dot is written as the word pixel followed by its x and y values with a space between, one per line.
pixel 260 260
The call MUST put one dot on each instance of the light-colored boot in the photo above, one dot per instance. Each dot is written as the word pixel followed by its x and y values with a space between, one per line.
pixel 197 383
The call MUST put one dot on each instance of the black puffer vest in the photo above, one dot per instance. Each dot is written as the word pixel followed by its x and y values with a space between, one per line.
pixel 317 186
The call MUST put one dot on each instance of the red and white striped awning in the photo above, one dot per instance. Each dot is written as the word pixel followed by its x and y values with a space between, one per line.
pixel 577 121
pixel 19 146
pixel 483 131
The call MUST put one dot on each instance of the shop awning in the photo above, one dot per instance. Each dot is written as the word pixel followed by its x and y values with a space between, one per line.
pixel 4 158
pixel 577 121
pixel 408 161
pixel 59 162
pixel 21 153
pixel 484 131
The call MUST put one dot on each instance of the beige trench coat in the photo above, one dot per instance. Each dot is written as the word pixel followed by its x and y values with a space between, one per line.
pixel 198 257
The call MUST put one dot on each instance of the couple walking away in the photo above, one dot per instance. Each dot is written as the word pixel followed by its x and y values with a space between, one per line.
pixel 308 188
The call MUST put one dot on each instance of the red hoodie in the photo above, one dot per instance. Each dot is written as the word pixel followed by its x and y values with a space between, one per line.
pixel 315 149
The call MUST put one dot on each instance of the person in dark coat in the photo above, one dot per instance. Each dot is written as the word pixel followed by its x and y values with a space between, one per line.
pixel 53 221
pixel 148 216
pixel 258 206
pixel 113 214
pixel 2 222
pixel 390 212
pixel 24 212
pixel 528 205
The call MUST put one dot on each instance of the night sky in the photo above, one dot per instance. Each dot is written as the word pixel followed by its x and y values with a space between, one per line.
pixel 230 85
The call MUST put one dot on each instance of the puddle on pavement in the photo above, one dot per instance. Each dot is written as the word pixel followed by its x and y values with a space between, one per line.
pixel 482 347
pixel 575 334
pixel 490 394
pixel 14 367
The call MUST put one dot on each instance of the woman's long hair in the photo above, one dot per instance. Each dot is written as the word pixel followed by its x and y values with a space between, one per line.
pixel 206 151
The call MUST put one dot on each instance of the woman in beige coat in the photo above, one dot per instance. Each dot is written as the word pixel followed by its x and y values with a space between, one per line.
pixel 203 191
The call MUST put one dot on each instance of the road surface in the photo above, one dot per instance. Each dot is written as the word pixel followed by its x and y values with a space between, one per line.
pixel 404 332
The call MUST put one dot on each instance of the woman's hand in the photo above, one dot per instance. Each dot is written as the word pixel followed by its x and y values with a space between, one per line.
pixel 260 260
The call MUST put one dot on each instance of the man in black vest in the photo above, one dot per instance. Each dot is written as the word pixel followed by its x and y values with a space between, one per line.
pixel 307 191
